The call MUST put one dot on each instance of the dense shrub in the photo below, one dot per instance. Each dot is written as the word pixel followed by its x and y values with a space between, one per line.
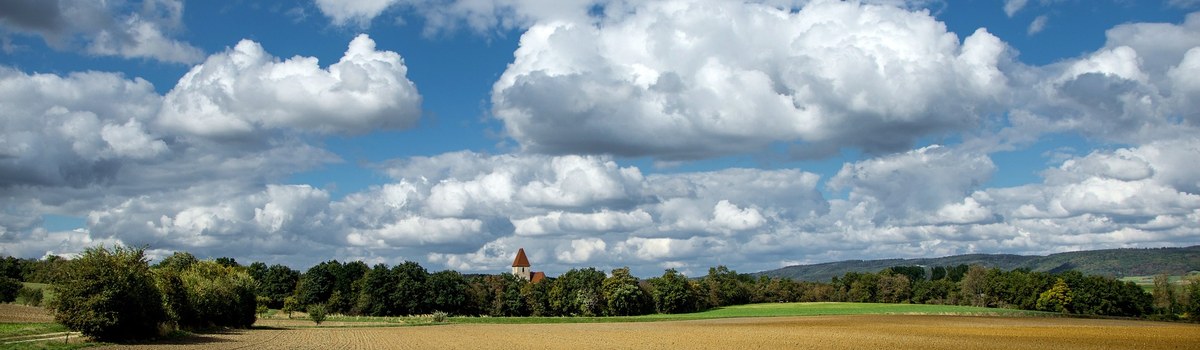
pixel 30 296
pixel 673 293
pixel 110 295
pixel 8 289
pixel 316 313
pixel 219 295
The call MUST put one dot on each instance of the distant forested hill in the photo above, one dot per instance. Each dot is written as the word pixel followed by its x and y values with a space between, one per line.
pixel 1108 262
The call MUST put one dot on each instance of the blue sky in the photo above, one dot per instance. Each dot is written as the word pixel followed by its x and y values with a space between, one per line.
pixel 659 134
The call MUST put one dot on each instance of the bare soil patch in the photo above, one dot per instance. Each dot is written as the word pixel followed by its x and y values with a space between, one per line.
pixel 14 313
pixel 836 332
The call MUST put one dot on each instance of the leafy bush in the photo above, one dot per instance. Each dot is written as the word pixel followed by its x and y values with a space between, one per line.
pixel 440 316
pixel 110 295
pixel 316 312
pixel 262 308
pixel 290 305
pixel 8 289
pixel 207 294
pixel 30 296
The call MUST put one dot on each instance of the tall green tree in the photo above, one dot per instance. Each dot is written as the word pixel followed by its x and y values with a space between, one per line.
pixel 673 293
pixel 974 285
pixel 410 296
pixel 276 283
pixel 447 292
pixel 623 294
pixel 110 295
pixel 1164 295
pixel 378 286
pixel 318 283
pixel 577 292
pixel 178 261
pixel 8 289
pixel 723 286
pixel 537 297
pixel 1057 298
pixel 504 295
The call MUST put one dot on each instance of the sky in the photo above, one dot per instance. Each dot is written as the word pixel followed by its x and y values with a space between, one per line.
pixel 597 133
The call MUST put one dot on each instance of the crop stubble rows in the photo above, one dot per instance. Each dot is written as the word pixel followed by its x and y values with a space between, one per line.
pixel 847 332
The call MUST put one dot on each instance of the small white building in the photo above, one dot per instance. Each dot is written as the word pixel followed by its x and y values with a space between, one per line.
pixel 520 268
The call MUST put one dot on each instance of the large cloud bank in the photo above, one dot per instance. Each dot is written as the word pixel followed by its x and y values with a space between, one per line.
pixel 139 29
pixel 201 168
pixel 700 79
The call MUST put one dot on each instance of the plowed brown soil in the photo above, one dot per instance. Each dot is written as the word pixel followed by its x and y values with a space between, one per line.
pixel 826 332
pixel 13 313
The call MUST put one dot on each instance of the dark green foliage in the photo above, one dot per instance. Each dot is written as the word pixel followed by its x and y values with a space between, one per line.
pixel 1191 302
pixel 914 273
pixel 178 261
pixel 317 284
pixel 110 295
pixel 409 297
pixel 348 285
pixel 8 289
pixel 503 295
pixel 937 273
pixel 276 283
pixel 537 297
pixel 49 270
pixel 1099 295
pixel 257 269
pixel 940 291
pixel 893 288
pixel 776 290
pixel 30 296
pixel 227 262
pixel 176 302
pixel 623 294
pixel 723 286
pixel 673 293
pixel 378 286
pixel 447 292
pixel 577 292
pixel 12 268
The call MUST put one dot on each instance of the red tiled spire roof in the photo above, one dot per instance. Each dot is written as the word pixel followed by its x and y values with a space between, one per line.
pixel 521 260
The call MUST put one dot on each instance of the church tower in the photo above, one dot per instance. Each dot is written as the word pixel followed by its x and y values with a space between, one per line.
pixel 520 265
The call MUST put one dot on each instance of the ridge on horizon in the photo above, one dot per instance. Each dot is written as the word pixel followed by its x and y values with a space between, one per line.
pixel 1118 262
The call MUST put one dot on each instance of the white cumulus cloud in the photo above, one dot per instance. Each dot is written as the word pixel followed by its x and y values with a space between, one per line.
pixel 244 89
pixel 691 79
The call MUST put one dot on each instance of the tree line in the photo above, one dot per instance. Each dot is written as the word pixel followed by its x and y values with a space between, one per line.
pixel 107 287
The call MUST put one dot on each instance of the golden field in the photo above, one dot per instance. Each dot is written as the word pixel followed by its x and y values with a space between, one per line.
pixel 826 332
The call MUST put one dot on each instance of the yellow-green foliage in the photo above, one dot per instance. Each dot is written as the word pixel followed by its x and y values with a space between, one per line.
pixel 110 295
pixel 219 295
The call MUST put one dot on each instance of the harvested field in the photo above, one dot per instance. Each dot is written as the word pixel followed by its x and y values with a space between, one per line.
pixel 13 313
pixel 845 332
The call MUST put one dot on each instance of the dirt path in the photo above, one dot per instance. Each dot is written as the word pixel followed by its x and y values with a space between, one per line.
pixel 844 332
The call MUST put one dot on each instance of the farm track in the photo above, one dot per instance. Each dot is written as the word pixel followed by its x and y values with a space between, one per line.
pixel 838 332
pixel 40 337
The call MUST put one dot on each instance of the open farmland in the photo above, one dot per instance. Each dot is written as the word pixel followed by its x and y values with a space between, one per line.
pixel 14 313
pixel 845 332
